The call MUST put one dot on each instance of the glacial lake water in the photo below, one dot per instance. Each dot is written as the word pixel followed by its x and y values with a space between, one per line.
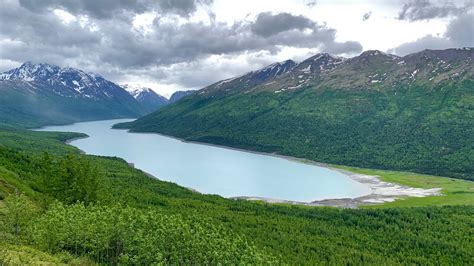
pixel 214 170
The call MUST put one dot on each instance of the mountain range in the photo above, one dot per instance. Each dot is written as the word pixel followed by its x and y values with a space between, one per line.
pixel 374 110
pixel 38 94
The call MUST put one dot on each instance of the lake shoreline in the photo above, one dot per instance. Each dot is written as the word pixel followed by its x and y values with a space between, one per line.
pixel 68 141
pixel 381 191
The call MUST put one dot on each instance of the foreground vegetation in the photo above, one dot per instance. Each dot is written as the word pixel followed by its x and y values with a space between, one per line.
pixel 50 213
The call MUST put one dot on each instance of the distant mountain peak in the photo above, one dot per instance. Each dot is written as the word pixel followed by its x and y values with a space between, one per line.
pixel 255 77
pixel 67 81
pixel 146 96
pixel 321 56
pixel 276 69
pixel 27 64
pixel 29 71
pixel 373 53
pixel 319 63
pixel 136 90
pixel 30 64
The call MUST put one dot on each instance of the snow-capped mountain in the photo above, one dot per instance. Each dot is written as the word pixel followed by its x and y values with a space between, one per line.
pixel 67 82
pixel 55 94
pixel 30 72
pixel 370 68
pixel 252 78
pixel 146 96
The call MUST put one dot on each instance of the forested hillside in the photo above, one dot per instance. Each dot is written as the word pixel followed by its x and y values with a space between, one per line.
pixel 412 113
pixel 59 206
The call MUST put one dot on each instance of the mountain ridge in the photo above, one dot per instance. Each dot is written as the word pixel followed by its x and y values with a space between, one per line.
pixel 44 93
pixel 375 110
pixel 178 95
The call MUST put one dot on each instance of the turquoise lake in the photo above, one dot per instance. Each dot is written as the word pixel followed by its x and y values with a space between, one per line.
pixel 214 170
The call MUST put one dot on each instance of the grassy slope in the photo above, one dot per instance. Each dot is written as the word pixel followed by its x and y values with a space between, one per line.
pixel 419 128
pixel 455 191
pixel 321 234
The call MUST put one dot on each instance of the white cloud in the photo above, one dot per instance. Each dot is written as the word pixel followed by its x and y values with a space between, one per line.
pixel 65 16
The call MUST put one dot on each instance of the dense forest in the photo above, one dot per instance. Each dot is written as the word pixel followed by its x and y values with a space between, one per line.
pixel 58 206
pixel 423 128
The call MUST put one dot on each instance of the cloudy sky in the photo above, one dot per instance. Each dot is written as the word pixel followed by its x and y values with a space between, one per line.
pixel 172 45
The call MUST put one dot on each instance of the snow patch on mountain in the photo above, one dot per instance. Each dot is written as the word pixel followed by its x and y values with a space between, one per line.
pixel 137 90
pixel 66 82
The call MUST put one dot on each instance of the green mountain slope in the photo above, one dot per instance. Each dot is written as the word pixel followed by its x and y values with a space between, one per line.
pixel 413 113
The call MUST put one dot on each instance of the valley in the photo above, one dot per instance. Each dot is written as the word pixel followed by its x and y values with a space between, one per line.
pixel 59 205
pixel 237 173
pixel 212 132
pixel 262 232
pixel 329 110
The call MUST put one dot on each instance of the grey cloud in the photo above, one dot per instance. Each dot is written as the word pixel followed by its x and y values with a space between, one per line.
pixel 202 72
pixel 115 48
pixel 425 10
pixel 109 8
pixel 343 48
pixel 459 33
pixel 366 16
pixel 268 24
pixel 461 30
pixel 27 36
pixel 170 43
pixel 182 7
pixel 38 30
pixel 427 42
